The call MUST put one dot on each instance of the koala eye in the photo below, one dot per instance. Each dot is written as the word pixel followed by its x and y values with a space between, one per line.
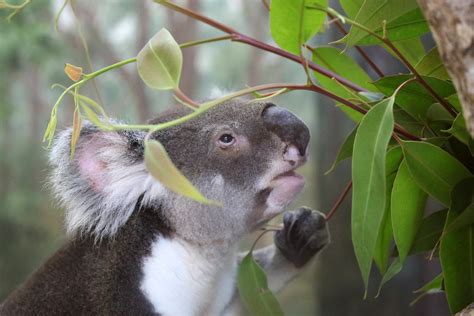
pixel 226 140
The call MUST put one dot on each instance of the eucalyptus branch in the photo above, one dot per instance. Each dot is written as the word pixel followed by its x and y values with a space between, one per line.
pixel 384 39
pixel 359 49
pixel 242 38
pixel 339 201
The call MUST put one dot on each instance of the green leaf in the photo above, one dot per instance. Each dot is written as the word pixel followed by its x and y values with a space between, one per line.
pixel 413 97
pixel 292 23
pixel 408 203
pixel 410 25
pixel 435 171
pixel 351 7
pixel 253 289
pixel 432 66
pixel 392 271
pixel 433 286
pixel 374 12
pixel 466 197
pixel 429 232
pixel 412 49
pixel 393 160
pixel 459 130
pixel 457 256
pixel 454 101
pixel 384 240
pixel 354 115
pixel 368 176
pixel 162 168
pixel 159 63
pixel 345 151
pixel 343 65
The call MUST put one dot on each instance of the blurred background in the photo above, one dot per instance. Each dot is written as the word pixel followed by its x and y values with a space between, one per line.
pixel 32 58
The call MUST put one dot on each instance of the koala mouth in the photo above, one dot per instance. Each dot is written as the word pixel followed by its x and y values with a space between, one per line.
pixel 284 188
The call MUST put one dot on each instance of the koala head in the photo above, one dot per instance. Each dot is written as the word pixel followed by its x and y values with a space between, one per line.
pixel 240 153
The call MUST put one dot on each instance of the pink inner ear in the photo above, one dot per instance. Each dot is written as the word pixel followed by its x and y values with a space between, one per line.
pixel 90 166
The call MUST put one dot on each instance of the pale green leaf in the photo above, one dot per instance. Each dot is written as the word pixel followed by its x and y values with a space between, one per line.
pixel 292 23
pixel 369 183
pixel 162 168
pixel 253 289
pixel 412 49
pixel 159 63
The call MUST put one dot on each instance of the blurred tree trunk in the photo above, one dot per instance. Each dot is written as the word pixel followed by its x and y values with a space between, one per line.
pixel 452 25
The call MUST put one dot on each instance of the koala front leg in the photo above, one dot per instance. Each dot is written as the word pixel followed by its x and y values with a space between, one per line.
pixel 303 235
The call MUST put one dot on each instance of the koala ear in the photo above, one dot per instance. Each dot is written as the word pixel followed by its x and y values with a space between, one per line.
pixel 104 182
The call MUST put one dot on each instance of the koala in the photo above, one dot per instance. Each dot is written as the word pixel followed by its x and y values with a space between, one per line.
pixel 137 248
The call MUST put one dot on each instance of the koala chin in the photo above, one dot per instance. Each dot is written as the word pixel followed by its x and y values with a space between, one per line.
pixel 136 248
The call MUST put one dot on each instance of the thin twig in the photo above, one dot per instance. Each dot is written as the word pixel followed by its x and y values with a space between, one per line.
pixel 242 38
pixel 339 201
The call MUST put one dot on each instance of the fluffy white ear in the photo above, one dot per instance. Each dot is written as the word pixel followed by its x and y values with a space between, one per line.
pixel 104 182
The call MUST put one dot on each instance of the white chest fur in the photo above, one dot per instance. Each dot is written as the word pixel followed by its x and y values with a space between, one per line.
pixel 182 279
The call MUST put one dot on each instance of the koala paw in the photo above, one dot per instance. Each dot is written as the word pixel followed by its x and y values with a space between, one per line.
pixel 304 233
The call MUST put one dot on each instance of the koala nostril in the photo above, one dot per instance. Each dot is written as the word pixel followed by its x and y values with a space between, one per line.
pixel 287 126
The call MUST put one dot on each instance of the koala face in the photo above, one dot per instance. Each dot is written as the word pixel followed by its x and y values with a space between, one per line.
pixel 240 153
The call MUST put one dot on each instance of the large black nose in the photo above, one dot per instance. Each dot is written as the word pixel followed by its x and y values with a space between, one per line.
pixel 287 126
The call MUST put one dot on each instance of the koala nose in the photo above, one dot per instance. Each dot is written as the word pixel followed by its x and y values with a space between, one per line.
pixel 289 128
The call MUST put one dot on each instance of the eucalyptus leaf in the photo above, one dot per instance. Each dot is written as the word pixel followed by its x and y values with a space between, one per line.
pixel 253 289
pixel 372 13
pixel 407 26
pixel 159 63
pixel 351 7
pixel 394 269
pixel 464 205
pixel 369 183
pixel 432 66
pixel 345 151
pixel 459 130
pixel 435 171
pixel 433 286
pixel 457 255
pixel 343 65
pixel 352 114
pixel 292 23
pixel 412 49
pixel 385 236
pixel 407 206
pixel 162 168
pixel 429 232
pixel 413 97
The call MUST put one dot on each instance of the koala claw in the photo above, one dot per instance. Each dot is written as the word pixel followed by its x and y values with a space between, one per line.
pixel 304 234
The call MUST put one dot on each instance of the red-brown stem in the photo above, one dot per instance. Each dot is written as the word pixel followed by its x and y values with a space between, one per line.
pixel 266 5
pixel 339 201
pixel 359 49
pixel 183 97
pixel 420 79
pixel 242 38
